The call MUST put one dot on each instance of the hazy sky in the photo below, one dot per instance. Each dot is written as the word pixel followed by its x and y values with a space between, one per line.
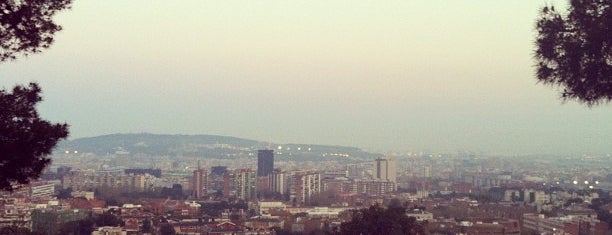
pixel 427 75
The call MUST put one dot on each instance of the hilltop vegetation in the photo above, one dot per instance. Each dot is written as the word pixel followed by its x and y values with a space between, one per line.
pixel 198 145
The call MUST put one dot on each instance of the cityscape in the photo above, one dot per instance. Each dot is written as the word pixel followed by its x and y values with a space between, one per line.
pixel 309 117
pixel 264 191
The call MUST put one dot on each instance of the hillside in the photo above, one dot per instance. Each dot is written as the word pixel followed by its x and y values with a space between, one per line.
pixel 198 145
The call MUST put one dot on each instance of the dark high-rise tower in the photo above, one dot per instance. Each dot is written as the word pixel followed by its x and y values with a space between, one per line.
pixel 265 162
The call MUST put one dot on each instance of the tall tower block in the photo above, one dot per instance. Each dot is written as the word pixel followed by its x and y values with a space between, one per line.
pixel 386 170
pixel 199 182
pixel 265 162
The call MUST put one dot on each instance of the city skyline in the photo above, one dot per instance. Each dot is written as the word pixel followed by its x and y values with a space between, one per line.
pixel 315 117
pixel 394 76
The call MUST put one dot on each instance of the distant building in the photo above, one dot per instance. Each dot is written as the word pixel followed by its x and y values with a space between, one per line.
pixel 386 170
pixel 109 230
pixel 493 226
pixel 266 207
pixel 218 170
pixel 426 172
pixel 42 190
pixel 337 186
pixel 198 181
pixel 89 195
pixel 86 180
pixel 420 215
pixel 153 172
pixel 215 178
pixel 264 223
pixel 240 183
pixel 304 185
pixel 277 182
pixel 573 225
pixel 264 185
pixel 63 170
pixel 372 187
pixel 265 162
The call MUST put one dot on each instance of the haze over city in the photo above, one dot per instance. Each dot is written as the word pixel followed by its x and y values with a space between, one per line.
pixel 384 76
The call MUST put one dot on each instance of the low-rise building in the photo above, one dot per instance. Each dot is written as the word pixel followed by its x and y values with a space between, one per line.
pixel 264 222
pixel 109 231
pixel 420 215
pixel 571 225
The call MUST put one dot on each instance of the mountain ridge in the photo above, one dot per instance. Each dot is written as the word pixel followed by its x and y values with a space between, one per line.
pixel 196 145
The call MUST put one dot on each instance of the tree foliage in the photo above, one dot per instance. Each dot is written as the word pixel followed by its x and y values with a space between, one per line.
pixel 87 225
pixel 380 220
pixel 64 193
pixel 25 138
pixel 77 227
pixel 27 27
pixel 16 230
pixel 166 229
pixel 574 51
pixel 107 219
pixel 147 226
pixel 215 209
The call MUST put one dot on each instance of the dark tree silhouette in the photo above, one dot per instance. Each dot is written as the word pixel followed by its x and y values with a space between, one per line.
pixel 107 219
pixel 147 226
pixel 166 229
pixel 25 138
pixel 27 27
pixel 87 225
pixel 16 230
pixel 78 227
pixel 574 51
pixel 378 220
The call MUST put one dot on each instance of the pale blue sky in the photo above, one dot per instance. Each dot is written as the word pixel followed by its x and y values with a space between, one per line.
pixel 386 76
